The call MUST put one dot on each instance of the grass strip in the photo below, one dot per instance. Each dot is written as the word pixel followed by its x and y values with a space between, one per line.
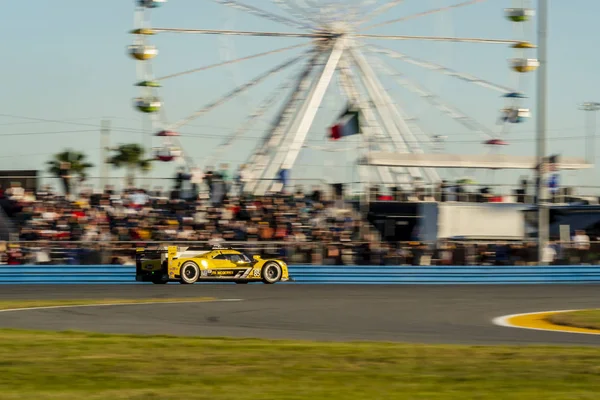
pixel 16 304
pixel 588 319
pixel 76 365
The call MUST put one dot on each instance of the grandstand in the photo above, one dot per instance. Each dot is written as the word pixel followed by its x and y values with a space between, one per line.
pixel 321 226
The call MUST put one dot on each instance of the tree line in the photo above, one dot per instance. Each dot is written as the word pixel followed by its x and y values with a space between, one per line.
pixel 70 164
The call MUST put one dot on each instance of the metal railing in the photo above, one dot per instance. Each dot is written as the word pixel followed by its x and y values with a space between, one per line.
pixel 447 253
pixel 147 182
pixel 492 193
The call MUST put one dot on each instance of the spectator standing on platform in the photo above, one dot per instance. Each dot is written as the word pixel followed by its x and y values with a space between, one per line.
pixel 225 178
pixel 196 181
pixel 553 187
pixel 218 192
pixel 208 178
pixel 582 245
pixel 180 178
pixel 549 254
pixel 242 178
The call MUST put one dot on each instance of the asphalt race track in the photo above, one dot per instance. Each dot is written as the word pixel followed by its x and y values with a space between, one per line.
pixel 425 314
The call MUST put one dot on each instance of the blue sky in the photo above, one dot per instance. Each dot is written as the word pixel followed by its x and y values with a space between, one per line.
pixel 65 68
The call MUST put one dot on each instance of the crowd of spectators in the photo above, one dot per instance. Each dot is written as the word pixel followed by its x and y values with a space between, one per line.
pixel 215 212
pixel 314 227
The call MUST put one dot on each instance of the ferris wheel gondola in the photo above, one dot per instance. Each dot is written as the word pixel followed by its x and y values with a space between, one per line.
pixel 143 52
pixel 515 95
pixel 514 112
pixel 515 115
pixel 495 142
pixel 523 65
pixel 149 84
pixel 148 104
pixel 151 3
pixel 519 14
pixel 167 134
pixel 336 45
pixel 168 153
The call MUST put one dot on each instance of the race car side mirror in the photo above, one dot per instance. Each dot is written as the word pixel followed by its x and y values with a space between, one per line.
pixel 256 257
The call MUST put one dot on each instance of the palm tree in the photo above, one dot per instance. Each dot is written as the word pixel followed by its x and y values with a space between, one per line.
pixel 130 157
pixel 68 163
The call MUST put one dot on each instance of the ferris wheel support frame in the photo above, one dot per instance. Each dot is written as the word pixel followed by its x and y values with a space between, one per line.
pixel 258 112
pixel 290 10
pixel 384 68
pixel 402 128
pixel 285 161
pixel 388 178
pixel 280 143
pixel 422 14
pixel 238 90
pixel 259 160
pixel 370 128
pixel 453 112
pixel 228 62
pixel 393 122
pixel 223 99
pixel 381 9
pixel 264 14
pixel 363 144
pixel 439 68
pixel 314 102
pixel 272 142
pixel 401 175
pixel 373 131
pixel 388 120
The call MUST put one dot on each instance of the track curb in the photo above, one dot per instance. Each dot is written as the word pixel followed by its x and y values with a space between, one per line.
pixel 538 321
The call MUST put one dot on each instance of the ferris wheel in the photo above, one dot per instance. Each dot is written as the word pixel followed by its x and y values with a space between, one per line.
pixel 338 44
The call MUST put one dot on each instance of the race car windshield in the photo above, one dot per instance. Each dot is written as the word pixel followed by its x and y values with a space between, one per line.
pixel 245 258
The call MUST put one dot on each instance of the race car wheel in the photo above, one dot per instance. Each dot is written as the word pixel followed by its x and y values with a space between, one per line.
pixel 189 272
pixel 271 273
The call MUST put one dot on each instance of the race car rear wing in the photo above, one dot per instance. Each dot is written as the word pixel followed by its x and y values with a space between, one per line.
pixel 142 253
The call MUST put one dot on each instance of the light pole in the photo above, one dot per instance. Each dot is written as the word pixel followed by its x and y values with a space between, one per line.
pixel 590 128
pixel 543 213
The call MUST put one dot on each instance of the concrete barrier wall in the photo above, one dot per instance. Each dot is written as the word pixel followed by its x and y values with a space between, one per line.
pixel 321 274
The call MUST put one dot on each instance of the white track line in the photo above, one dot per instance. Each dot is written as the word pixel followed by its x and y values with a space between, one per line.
pixel 117 304
pixel 503 321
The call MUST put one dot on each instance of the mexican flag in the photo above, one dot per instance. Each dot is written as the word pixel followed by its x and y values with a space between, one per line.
pixel 347 125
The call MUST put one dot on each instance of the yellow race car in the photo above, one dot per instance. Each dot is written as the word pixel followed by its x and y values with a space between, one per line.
pixel 189 265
